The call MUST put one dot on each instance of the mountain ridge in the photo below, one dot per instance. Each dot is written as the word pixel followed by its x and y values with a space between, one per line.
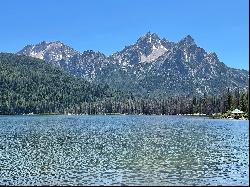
pixel 152 65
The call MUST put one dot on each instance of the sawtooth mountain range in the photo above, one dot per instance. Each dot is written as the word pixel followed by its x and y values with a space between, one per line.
pixel 151 66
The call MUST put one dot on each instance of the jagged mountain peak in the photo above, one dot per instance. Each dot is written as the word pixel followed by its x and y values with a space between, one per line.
pixel 149 38
pixel 147 48
pixel 46 43
pixel 49 51
pixel 187 41
pixel 92 53
pixel 55 44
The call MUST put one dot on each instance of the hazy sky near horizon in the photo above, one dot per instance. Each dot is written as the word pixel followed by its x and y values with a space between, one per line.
pixel 108 26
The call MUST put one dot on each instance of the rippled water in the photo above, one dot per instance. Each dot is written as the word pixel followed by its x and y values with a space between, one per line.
pixel 123 150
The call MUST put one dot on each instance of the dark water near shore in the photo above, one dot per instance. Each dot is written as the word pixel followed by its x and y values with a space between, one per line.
pixel 123 150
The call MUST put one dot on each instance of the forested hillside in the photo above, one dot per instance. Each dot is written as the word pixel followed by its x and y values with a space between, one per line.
pixel 31 85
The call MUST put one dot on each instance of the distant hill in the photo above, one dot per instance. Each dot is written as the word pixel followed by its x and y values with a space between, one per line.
pixel 152 66
pixel 31 85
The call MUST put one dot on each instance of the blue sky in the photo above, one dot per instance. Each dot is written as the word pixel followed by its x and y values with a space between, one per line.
pixel 219 26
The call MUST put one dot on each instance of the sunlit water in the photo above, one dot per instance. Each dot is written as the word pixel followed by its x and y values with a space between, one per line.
pixel 123 150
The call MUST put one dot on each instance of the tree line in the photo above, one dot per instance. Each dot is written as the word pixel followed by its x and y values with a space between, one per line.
pixel 208 105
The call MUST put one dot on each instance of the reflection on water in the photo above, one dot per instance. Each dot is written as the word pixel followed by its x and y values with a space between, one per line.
pixel 123 150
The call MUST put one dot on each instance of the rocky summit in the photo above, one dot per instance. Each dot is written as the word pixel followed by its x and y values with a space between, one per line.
pixel 151 66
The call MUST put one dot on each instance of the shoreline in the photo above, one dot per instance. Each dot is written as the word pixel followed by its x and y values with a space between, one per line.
pixel 119 114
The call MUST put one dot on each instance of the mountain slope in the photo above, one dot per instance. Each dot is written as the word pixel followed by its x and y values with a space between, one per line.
pixel 147 48
pixel 151 66
pixel 28 84
pixel 189 69
pixel 50 51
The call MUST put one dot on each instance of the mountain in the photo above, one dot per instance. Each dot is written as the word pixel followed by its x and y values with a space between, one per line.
pixel 31 85
pixel 147 49
pixel 52 52
pixel 152 66
pixel 84 64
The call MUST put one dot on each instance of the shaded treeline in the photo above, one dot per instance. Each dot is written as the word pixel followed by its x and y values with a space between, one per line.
pixel 166 106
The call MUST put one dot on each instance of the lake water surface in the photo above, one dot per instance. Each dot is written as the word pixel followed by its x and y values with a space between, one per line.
pixel 123 150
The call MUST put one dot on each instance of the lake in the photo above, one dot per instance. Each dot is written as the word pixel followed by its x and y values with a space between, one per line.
pixel 123 150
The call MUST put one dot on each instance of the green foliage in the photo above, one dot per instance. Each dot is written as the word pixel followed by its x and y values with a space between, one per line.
pixel 31 85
